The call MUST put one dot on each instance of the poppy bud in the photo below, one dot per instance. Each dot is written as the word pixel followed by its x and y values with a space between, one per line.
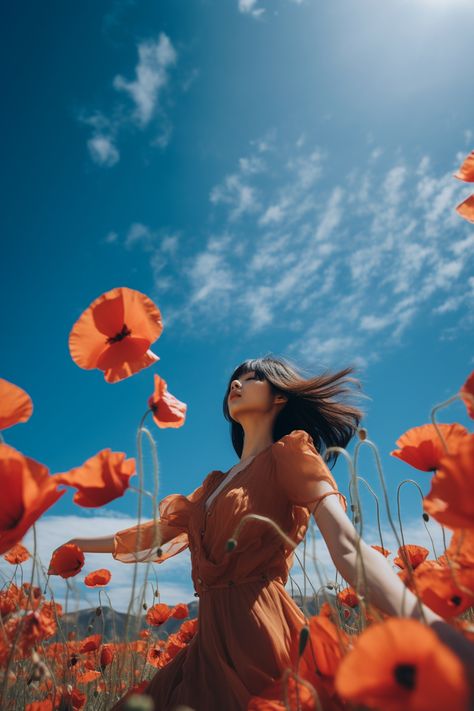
pixel 90 628
pixel 426 517
pixel 362 432
pixel 159 552
pixel 304 636
pixel 155 593
pixel 231 544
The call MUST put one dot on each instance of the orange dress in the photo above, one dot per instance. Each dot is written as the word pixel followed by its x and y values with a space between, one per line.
pixel 248 624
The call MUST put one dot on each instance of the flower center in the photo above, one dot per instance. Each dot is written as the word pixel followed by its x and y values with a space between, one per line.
pixel 456 600
pixel 121 335
pixel 405 675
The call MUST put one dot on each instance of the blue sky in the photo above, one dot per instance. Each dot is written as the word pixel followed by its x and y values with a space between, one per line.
pixel 276 176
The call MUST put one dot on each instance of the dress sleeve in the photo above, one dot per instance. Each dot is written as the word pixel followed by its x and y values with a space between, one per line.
pixel 300 468
pixel 169 532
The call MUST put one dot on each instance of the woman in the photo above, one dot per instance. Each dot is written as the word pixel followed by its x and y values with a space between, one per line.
pixel 248 625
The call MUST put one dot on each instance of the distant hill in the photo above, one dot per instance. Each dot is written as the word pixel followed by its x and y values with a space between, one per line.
pixel 111 624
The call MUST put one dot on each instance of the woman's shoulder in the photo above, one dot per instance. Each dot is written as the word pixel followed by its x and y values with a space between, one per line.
pixel 294 440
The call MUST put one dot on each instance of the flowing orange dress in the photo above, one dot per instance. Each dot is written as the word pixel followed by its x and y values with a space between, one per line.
pixel 248 624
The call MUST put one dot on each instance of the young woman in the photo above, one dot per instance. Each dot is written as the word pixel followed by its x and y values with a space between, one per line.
pixel 248 625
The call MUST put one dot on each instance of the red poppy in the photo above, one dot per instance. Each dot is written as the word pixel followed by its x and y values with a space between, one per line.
pixel 180 611
pixel 167 410
pixel 447 591
pixel 325 648
pixel 466 171
pixel 188 629
pixel 98 578
pixel 101 479
pixel 158 614
pixel 17 555
pixel 15 405
pixel 414 554
pixel 400 665
pixel 106 655
pixel 467 394
pixel 466 209
pixel 115 332
pixel 450 500
pixel 422 448
pixel 348 597
pixel 31 491
pixel 66 561
pixel 90 644
pixel 88 676
pixel 381 550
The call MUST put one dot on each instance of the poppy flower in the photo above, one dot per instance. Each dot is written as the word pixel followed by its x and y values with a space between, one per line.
pixel 400 665
pixel 381 550
pixel 467 394
pixel 106 656
pixel 158 614
pixel 15 405
pixel 324 650
pixel 448 592
pixel 466 171
pixel 98 578
pixel 88 676
pixel 90 644
pixel 414 554
pixel 115 332
pixel 422 448
pixel 31 491
pixel 167 410
pixel 296 693
pixel 101 479
pixel 188 629
pixel 180 611
pixel 466 209
pixel 348 597
pixel 66 561
pixel 17 555
pixel 450 500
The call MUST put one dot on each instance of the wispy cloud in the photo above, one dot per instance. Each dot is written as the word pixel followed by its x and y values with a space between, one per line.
pixel 156 57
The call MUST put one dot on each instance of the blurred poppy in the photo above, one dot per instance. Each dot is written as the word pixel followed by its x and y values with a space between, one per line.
pixel 106 655
pixel 466 171
pixel 88 676
pixel 158 614
pixel 450 500
pixel 400 665
pixel 422 448
pixel 90 644
pixel 467 394
pixel 98 578
pixel 66 561
pixel 348 597
pixel 466 209
pixel 413 553
pixel 31 491
pixel 289 693
pixel 381 550
pixel 325 648
pixel 72 698
pixel 180 611
pixel 448 591
pixel 115 332
pixel 15 405
pixel 188 629
pixel 101 479
pixel 167 410
pixel 17 555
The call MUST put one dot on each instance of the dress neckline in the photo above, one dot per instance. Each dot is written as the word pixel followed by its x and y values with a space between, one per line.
pixel 220 471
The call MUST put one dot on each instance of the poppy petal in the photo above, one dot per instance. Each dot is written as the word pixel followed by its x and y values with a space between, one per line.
pixel 467 394
pixel 15 405
pixel 466 209
pixel 466 171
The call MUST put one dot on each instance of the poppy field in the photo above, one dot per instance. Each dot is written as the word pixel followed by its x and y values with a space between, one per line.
pixel 351 655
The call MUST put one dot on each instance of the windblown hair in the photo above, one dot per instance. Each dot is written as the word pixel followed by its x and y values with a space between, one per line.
pixel 314 404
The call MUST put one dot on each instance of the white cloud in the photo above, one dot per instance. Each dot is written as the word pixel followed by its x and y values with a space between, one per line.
pixel 103 151
pixel 249 7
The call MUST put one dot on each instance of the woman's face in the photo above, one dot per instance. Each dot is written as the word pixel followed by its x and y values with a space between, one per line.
pixel 248 394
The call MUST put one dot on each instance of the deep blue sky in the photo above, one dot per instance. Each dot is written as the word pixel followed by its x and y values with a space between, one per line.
pixel 276 181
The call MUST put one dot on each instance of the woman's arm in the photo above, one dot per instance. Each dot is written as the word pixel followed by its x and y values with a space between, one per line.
pixel 103 544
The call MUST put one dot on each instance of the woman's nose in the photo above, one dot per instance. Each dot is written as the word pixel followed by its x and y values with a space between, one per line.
pixel 235 383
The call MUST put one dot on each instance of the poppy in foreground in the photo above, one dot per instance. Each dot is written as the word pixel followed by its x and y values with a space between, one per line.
pixel 30 492
pixel 102 478
pixel 115 332
pixel 467 395
pixel 400 665
pixel 421 447
pixel 98 578
pixel 66 561
pixel 167 410
pixel 450 500
pixel 15 405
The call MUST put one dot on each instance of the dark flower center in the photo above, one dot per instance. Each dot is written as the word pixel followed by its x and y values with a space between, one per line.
pixel 405 675
pixel 121 335
pixel 456 600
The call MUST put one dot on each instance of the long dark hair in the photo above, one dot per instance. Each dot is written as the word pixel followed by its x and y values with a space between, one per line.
pixel 314 403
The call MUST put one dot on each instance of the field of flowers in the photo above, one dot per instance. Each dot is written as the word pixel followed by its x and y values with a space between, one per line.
pixel 351 655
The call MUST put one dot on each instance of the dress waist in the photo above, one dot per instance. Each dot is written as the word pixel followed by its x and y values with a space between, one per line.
pixel 261 577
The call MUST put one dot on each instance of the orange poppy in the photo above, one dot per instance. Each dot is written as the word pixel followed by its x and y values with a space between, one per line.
pixel 400 665
pixel 381 550
pixel 106 656
pixel 98 578
pixel 167 410
pixel 467 394
pixel 450 500
pixel 180 611
pixel 72 699
pixel 466 209
pixel 422 448
pixel 66 561
pixel 348 597
pixel 31 491
pixel 101 479
pixel 466 171
pixel 324 650
pixel 446 592
pixel 115 332
pixel 15 405
pixel 414 554
pixel 158 614
pixel 90 644
pixel 188 629
pixel 17 555
pixel 88 676
pixel 298 696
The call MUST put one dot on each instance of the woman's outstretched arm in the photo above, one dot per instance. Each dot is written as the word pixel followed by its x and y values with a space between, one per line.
pixel 102 544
